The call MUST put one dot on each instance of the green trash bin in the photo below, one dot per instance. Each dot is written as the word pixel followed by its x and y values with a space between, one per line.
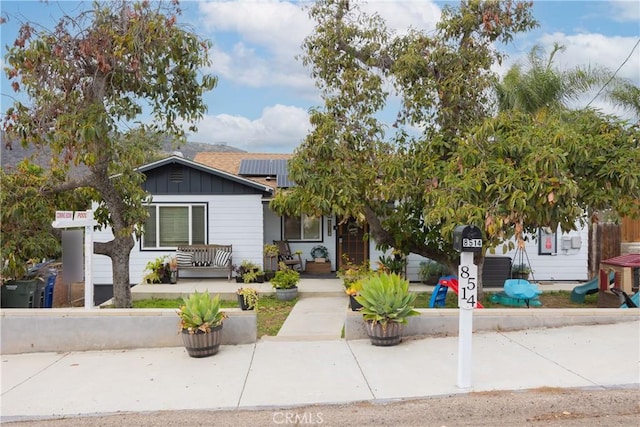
pixel 19 293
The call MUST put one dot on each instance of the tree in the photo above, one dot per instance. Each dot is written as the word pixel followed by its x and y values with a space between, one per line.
pixel 626 95
pixel 465 166
pixel 26 218
pixel 88 81
pixel 543 91
pixel 538 84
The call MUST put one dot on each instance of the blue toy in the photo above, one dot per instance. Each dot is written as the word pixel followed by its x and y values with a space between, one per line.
pixel 521 289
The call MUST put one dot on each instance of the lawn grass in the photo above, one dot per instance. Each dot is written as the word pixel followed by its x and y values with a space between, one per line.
pixel 173 303
pixel 271 313
pixel 551 299
pixel 270 316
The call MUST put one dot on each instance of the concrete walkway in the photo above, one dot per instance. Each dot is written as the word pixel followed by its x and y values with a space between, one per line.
pixel 315 318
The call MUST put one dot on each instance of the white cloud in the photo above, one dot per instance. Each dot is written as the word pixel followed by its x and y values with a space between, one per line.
pixel 597 49
pixel 626 11
pixel 400 15
pixel 279 129
pixel 268 34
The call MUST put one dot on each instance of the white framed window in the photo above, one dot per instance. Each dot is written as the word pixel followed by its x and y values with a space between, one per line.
pixel 170 225
pixel 303 227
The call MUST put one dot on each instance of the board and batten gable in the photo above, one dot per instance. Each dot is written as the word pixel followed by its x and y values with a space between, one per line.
pixel 234 214
pixel 179 177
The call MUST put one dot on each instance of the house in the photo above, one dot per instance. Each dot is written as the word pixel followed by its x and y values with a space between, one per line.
pixel 223 198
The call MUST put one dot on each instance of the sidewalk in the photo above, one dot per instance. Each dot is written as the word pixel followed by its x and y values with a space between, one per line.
pixel 285 373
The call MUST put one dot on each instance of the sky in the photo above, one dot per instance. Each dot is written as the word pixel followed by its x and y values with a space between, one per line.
pixel 264 93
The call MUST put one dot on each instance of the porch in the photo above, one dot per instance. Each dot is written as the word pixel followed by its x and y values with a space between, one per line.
pixel 309 286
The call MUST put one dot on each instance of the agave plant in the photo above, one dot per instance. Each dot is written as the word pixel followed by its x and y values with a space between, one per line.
pixel 385 298
pixel 200 312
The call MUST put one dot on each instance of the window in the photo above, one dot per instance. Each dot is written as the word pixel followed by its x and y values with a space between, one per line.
pixel 171 225
pixel 303 228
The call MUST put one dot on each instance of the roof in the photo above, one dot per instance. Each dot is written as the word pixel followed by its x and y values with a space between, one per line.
pixel 212 170
pixel 230 162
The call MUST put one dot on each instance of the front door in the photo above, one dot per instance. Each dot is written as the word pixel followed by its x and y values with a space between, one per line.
pixel 352 242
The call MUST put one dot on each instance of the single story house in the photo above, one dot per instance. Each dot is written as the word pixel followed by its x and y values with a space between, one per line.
pixel 223 198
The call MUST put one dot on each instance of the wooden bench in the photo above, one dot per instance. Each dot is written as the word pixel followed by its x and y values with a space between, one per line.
pixel 205 257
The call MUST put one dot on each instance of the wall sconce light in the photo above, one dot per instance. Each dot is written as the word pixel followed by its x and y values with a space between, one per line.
pixel 329 227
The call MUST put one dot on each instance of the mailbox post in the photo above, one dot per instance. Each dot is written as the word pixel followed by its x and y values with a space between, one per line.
pixel 467 239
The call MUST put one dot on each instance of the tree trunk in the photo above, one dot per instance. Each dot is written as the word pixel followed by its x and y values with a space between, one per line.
pixel 120 247
pixel 120 268
pixel 118 250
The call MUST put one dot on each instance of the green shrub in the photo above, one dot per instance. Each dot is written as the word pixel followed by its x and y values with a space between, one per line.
pixel 285 278
pixel 200 312
pixel 386 298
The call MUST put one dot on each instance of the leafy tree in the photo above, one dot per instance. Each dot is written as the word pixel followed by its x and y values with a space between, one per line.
pixel 502 173
pixel 87 81
pixel 26 218
pixel 543 91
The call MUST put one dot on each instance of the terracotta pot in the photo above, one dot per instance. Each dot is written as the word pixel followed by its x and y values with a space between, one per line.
pixel 202 344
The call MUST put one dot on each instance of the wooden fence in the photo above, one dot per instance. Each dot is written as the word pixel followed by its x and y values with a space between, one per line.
pixel 630 230
pixel 604 243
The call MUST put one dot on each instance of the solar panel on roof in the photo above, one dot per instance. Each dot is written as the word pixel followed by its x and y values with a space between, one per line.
pixel 267 167
pixel 253 168
pixel 263 167
pixel 283 181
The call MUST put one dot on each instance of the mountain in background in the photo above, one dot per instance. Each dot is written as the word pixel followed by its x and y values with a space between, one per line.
pixel 9 158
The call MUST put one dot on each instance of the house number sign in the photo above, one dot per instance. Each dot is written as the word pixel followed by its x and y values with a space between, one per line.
pixel 467 286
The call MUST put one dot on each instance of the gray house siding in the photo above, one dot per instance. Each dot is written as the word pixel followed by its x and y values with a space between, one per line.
pixel 181 179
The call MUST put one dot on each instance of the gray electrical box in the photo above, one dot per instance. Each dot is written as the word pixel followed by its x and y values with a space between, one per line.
pixel 467 238
pixel 576 242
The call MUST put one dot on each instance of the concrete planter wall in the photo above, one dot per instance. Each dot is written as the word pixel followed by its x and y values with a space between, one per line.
pixel 444 321
pixel 77 329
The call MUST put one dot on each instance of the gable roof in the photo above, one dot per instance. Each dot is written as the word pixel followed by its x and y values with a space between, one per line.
pixel 230 162
pixel 207 169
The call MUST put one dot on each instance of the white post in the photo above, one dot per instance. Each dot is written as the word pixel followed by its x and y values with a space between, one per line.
pixel 88 257
pixel 467 300
pixel 70 219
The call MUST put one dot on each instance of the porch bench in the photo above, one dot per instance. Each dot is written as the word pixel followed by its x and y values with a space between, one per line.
pixel 205 257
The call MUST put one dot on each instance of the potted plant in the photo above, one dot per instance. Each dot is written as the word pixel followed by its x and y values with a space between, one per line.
pixel 247 298
pixel 245 267
pixel 351 273
pixel 285 283
pixel 201 324
pixel 319 253
pixel 353 291
pixel 271 253
pixel 253 276
pixel 155 271
pixel 171 268
pixel 394 263
pixel 386 305
pixel 520 271
pixel 431 271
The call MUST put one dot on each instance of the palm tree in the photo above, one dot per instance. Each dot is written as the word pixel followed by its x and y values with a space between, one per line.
pixel 627 96
pixel 541 85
